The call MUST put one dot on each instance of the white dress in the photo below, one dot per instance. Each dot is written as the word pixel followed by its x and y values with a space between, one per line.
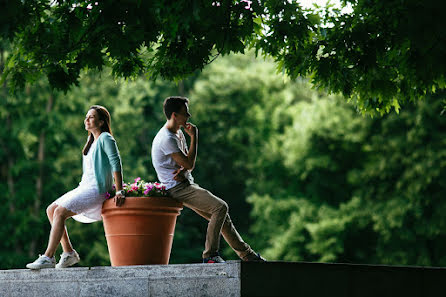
pixel 85 200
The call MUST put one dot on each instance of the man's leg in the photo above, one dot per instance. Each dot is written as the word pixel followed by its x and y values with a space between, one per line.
pixel 232 237
pixel 199 199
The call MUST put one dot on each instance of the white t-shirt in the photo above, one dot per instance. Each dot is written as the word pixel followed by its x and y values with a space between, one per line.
pixel 164 144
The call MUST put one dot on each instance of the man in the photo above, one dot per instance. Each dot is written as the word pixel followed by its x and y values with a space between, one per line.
pixel 173 162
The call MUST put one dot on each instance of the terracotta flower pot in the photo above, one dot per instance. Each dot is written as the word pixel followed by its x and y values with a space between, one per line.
pixel 140 232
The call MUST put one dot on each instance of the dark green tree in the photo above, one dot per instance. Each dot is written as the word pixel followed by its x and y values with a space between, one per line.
pixel 377 56
pixel 352 189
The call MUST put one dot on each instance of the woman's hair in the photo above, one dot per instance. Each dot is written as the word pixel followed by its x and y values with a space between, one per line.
pixel 173 104
pixel 103 115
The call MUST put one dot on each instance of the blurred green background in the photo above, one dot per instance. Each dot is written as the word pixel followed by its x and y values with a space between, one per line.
pixel 306 177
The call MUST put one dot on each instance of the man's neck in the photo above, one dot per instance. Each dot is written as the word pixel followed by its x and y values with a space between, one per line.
pixel 172 126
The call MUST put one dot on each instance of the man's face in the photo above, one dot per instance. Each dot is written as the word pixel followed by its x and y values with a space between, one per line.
pixel 183 115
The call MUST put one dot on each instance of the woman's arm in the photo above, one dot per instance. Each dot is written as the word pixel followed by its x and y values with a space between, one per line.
pixel 111 149
pixel 119 199
pixel 112 152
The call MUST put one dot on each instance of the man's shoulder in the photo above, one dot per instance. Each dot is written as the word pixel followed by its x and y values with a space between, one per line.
pixel 164 133
pixel 161 133
pixel 163 138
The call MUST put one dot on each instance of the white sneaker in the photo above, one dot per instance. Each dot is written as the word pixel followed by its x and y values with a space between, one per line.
pixel 42 262
pixel 68 259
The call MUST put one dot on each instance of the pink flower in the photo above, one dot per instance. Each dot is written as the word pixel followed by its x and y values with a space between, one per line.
pixel 137 179
pixel 134 186
pixel 107 195
pixel 146 192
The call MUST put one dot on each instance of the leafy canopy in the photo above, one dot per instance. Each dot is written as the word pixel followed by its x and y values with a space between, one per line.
pixel 381 55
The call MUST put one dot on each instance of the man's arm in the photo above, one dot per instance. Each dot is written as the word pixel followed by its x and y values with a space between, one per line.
pixel 188 161
pixel 178 174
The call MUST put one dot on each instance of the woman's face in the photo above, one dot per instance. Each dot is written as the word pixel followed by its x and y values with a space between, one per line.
pixel 92 121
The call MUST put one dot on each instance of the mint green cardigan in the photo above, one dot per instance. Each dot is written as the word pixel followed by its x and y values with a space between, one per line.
pixel 106 160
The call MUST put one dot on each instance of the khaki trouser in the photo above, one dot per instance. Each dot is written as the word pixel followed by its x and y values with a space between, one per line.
pixel 215 210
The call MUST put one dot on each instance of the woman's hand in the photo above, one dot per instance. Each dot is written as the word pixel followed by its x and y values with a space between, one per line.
pixel 119 198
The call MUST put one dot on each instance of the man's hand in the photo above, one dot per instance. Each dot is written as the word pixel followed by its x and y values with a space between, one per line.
pixel 191 129
pixel 179 174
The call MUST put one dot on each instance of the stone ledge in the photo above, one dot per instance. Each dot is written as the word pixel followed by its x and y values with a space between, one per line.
pixel 152 280
pixel 234 278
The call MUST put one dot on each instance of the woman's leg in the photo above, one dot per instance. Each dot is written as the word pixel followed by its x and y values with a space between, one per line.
pixel 60 215
pixel 65 241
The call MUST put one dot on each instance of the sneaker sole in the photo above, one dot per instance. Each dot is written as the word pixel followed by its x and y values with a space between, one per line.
pixel 39 267
pixel 66 266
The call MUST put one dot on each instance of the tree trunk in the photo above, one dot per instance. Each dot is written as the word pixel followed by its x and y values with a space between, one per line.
pixel 39 180
pixel 8 166
pixel 11 183
pixel 181 88
pixel 10 163
pixel 10 180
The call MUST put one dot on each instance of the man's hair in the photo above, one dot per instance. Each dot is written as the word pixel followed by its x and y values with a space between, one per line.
pixel 173 104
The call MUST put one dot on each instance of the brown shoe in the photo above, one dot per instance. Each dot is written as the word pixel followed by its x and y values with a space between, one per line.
pixel 214 259
pixel 254 257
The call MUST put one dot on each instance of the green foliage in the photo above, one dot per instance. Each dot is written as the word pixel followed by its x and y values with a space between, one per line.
pixel 362 190
pixel 406 166
pixel 62 38
pixel 376 56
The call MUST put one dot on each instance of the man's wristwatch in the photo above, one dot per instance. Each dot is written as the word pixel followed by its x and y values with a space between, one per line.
pixel 120 192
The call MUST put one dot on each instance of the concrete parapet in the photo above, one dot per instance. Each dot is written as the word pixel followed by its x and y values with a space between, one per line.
pixel 234 278
pixel 154 280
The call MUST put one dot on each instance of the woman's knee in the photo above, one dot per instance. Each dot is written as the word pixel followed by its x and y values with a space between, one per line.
pixel 61 213
pixel 50 210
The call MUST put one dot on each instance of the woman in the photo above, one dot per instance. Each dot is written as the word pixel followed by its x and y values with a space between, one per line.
pixel 101 162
